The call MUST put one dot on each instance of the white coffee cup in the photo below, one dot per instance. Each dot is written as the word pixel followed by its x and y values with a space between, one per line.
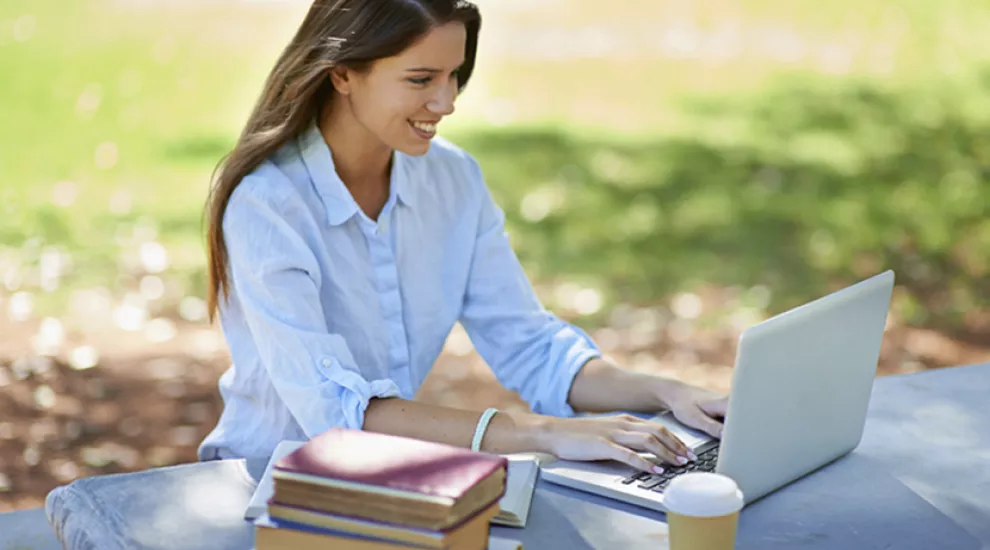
pixel 702 511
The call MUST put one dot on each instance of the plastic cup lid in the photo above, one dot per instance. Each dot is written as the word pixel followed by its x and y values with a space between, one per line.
pixel 704 495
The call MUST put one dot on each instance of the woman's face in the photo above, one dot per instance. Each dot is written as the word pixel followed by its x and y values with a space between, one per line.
pixel 401 99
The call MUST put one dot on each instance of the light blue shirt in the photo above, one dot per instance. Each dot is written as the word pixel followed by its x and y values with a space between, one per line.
pixel 329 308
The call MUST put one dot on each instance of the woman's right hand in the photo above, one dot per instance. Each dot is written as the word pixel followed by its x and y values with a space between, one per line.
pixel 619 438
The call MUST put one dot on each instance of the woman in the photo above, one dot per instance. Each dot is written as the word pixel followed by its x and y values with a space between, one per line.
pixel 345 242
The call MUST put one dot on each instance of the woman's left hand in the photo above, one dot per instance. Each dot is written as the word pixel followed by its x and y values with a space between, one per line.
pixel 698 408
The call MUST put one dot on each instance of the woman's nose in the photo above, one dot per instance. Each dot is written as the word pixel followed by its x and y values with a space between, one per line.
pixel 442 103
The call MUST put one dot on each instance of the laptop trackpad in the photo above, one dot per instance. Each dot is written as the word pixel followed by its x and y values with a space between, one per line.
pixel 694 439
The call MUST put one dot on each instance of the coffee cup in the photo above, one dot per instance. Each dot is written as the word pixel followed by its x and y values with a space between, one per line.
pixel 702 511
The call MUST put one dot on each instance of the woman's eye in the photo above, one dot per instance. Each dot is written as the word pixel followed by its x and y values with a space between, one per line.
pixel 421 81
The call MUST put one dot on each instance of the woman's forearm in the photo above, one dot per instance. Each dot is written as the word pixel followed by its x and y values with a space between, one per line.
pixel 601 386
pixel 598 387
pixel 508 432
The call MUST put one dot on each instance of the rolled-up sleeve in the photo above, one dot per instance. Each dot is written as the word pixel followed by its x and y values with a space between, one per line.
pixel 529 349
pixel 275 279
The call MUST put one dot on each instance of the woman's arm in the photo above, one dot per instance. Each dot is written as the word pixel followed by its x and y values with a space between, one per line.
pixel 601 386
pixel 508 432
pixel 612 437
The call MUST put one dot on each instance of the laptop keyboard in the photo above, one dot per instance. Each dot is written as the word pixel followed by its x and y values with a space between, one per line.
pixel 658 482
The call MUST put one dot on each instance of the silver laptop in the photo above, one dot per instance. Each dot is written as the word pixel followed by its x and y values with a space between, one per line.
pixel 800 390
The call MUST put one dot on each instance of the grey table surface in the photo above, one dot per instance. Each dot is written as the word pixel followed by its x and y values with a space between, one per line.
pixel 920 479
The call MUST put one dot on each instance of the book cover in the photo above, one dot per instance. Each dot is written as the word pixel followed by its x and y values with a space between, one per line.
pixel 523 471
pixel 273 534
pixel 276 534
pixel 395 463
pixel 472 528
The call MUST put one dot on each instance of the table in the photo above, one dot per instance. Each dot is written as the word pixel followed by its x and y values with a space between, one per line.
pixel 28 528
pixel 920 479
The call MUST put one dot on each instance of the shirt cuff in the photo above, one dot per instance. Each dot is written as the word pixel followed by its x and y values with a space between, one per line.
pixel 354 392
pixel 570 350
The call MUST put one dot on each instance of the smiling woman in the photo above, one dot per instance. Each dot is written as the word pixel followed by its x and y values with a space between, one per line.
pixel 396 105
pixel 413 89
pixel 342 38
pixel 346 240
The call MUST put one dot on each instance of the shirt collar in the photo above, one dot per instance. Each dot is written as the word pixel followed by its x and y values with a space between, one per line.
pixel 340 205
pixel 403 176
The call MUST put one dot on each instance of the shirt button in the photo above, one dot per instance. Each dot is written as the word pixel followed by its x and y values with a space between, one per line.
pixel 382 228
pixel 326 362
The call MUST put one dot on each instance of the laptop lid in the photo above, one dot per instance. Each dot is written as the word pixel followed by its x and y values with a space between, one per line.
pixel 801 387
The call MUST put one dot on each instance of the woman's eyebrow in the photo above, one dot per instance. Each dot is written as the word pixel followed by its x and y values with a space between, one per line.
pixel 427 69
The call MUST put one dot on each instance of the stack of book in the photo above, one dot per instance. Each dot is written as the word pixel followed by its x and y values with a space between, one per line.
pixel 356 490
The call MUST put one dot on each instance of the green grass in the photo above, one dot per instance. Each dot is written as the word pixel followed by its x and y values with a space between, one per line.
pixel 166 86
pixel 637 88
pixel 800 190
pixel 639 173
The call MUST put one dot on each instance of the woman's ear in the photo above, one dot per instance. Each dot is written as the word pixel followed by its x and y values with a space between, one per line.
pixel 340 77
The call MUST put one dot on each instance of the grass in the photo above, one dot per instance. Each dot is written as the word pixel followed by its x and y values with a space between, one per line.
pixel 542 61
pixel 815 187
pixel 661 165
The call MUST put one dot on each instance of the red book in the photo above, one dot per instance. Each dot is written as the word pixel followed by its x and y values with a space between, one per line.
pixel 389 478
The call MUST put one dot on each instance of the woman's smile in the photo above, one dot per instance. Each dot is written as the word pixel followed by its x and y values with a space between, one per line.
pixel 423 129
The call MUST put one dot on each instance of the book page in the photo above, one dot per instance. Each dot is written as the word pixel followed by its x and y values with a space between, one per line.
pixel 259 500
pixel 520 484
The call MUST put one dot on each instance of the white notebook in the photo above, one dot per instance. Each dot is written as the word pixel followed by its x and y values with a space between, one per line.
pixel 515 503
pixel 524 468
pixel 259 500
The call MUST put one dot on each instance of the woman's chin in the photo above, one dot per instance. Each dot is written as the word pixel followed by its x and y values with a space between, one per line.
pixel 417 149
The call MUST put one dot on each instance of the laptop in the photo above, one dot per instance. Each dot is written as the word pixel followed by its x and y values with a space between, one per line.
pixel 800 391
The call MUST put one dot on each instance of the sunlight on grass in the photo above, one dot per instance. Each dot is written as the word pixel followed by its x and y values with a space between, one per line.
pixel 124 107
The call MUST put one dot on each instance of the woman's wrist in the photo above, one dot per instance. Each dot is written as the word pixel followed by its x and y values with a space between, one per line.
pixel 515 432
pixel 539 433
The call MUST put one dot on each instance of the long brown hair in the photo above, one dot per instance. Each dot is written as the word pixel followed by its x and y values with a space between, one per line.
pixel 350 33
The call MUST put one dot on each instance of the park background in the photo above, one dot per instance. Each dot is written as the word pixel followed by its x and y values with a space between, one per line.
pixel 672 172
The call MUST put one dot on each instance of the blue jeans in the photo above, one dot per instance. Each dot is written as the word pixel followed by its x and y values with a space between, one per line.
pixel 196 506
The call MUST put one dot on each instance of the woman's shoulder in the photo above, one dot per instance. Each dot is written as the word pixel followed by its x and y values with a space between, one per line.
pixel 272 184
pixel 269 195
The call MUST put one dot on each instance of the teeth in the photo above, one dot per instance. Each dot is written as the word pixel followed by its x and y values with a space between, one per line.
pixel 425 127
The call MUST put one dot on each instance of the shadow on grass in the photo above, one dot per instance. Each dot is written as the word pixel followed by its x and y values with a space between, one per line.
pixel 802 190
